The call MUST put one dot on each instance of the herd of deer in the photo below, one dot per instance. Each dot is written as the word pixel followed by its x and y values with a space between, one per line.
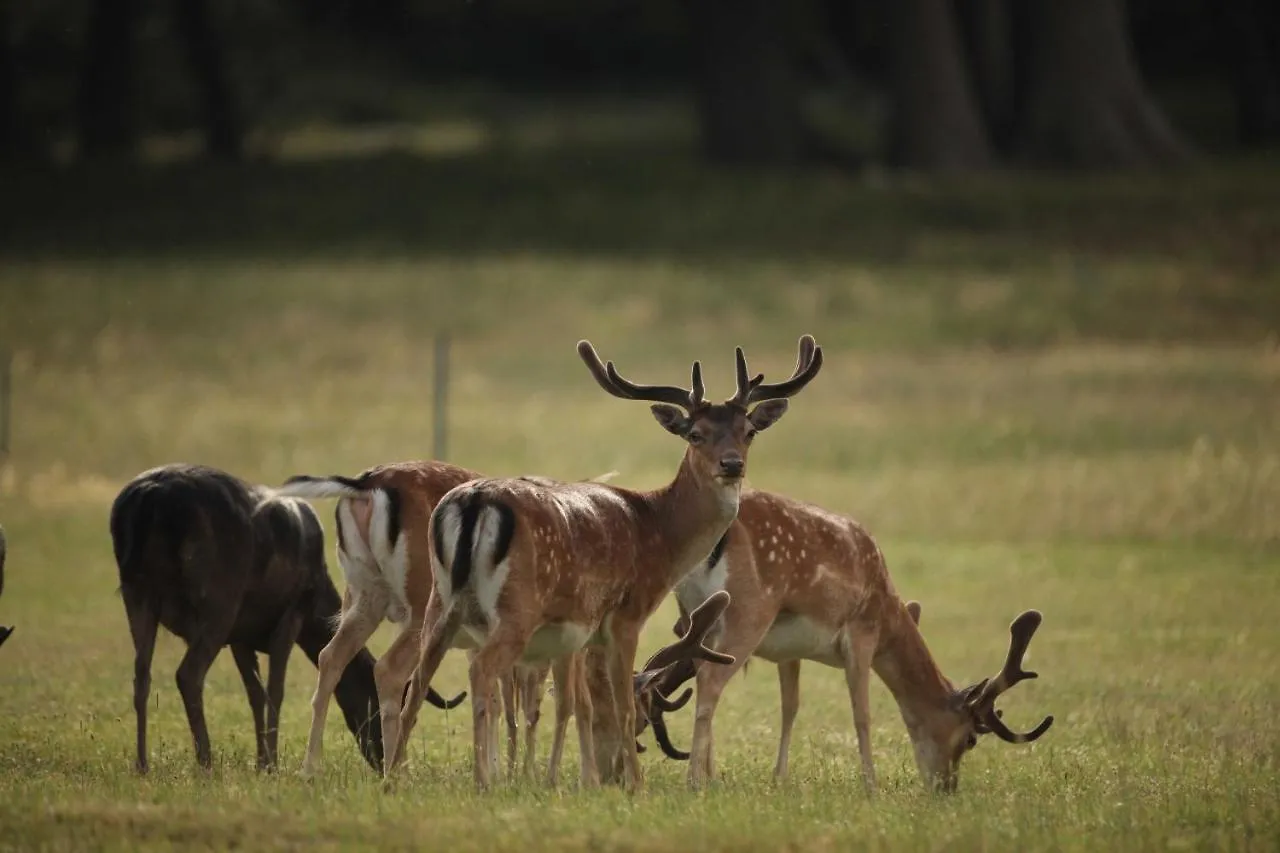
pixel 535 579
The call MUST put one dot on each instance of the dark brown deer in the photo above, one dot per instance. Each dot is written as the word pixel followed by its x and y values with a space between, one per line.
pixel 534 570
pixel 219 562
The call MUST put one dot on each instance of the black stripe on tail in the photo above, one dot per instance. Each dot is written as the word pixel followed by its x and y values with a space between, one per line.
pixel 357 483
pixel 469 505
pixel 718 551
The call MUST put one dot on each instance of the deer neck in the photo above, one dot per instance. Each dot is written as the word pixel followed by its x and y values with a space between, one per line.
pixel 908 669
pixel 693 512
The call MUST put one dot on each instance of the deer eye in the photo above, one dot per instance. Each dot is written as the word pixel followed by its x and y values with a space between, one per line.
pixel 751 433
pixel 695 437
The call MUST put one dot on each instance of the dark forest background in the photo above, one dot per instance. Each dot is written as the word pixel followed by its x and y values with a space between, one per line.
pixel 927 85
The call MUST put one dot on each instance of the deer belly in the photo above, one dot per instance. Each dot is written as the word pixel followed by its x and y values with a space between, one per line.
pixel 800 638
pixel 555 641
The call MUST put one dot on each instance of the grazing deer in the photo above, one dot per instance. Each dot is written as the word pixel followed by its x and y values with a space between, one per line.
pixel 811 585
pixel 534 570
pixel 219 562
pixel 4 632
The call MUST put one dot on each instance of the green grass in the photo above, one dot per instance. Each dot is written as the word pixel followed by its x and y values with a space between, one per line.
pixel 1042 393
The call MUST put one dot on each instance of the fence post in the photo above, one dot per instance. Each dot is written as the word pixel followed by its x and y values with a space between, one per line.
pixel 6 402
pixel 440 425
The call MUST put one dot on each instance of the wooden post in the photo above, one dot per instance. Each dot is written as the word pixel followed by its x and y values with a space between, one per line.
pixel 440 426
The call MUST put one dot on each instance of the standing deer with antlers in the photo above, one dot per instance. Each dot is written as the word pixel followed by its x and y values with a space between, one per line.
pixel 536 570
pixel 808 584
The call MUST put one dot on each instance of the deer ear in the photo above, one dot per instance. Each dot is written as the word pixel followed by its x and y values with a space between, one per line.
pixel 672 419
pixel 913 610
pixel 767 413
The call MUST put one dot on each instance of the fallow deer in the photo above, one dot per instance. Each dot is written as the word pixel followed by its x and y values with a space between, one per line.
pixel 381 518
pixel 535 570
pixel 220 562
pixel 808 584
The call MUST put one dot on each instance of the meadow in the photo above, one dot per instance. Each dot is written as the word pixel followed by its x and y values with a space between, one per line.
pixel 1058 393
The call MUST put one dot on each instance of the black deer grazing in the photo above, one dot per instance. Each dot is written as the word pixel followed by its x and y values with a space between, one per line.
pixel 219 563
pixel 4 632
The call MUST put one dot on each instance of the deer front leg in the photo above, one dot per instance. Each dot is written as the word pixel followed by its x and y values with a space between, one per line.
pixel 622 661
pixel 743 630
pixel 565 695
pixel 278 650
pixel 857 675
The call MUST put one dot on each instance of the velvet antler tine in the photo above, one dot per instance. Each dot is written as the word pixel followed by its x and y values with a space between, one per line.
pixel 697 394
pixel 608 378
pixel 982 704
pixel 808 363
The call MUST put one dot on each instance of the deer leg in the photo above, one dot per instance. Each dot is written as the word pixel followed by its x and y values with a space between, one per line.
pixel 191 675
pixel 740 636
pixel 353 633
pixel 498 655
pixel 509 689
pixel 247 662
pixel 789 687
pixel 390 674
pixel 442 628
pixel 622 661
pixel 534 687
pixel 565 693
pixel 857 673
pixel 143 622
pixel 278 650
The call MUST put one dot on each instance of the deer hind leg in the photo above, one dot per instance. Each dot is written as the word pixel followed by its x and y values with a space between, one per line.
pixel 499 654
pixel 789 688
pixel 442 627
pixel 247 662
pixel 857 673
pixel 354 630
pixel 390 674
pixel 143 622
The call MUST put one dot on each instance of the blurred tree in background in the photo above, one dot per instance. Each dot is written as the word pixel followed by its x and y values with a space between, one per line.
pixel 929 85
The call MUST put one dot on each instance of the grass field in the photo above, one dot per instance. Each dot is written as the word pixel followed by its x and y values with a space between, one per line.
pixel 1060 394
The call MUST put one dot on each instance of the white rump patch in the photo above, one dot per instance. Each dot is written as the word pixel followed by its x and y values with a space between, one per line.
pixel 393 561
pixel 449 517
pixel 487 577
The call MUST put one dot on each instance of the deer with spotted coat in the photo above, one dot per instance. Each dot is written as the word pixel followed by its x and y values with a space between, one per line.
pixel 536 571
pixel 381 518
pixel 808 584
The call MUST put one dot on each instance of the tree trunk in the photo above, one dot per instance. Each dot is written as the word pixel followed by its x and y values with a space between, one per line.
pixel 987 28
pixel 106 121
pixel 10 143
pixel 1086 104
pixel 936 123
pixel 1252 39
pixel 748 98
pixel 223 136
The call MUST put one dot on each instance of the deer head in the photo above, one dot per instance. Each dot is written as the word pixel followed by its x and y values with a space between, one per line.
pixel 942 738
pixel 718 434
